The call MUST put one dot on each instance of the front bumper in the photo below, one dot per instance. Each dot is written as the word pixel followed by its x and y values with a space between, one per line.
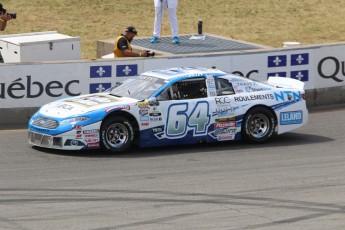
pixel 45 140
pixel 77 138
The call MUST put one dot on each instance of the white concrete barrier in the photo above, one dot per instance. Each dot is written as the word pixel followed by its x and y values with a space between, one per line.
pixel 25 86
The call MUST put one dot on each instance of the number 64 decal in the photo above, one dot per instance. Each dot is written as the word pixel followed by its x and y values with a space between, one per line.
pixel 179 119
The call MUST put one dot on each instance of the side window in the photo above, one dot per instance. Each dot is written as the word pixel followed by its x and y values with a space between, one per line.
pixel 187 89
pixel 223 87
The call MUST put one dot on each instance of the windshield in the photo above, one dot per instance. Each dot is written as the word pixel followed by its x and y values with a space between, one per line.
pixel 141 87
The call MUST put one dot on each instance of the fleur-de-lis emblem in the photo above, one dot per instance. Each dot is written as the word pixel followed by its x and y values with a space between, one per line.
pixel 100 88
pixel 127 70
pixel 101 71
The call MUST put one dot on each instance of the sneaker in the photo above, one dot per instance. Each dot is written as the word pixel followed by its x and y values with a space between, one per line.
pixel 176 40
pixel 154 39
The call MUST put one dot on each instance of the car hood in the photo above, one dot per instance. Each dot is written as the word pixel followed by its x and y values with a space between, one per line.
pixel 83 104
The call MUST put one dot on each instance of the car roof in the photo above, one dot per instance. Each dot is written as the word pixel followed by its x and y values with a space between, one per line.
pixel 182 72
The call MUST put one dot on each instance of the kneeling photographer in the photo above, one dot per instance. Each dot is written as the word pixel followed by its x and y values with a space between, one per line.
pixel 4 18
pixel 123 48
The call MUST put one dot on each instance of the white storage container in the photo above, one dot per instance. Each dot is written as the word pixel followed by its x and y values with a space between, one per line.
pixel 42 46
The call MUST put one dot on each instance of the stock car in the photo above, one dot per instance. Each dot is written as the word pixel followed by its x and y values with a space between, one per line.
pixel 169 107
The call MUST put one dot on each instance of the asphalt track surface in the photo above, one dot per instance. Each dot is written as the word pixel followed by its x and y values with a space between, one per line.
pixel 296 181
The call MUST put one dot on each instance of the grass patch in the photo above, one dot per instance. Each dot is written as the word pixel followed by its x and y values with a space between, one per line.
pixel 267 22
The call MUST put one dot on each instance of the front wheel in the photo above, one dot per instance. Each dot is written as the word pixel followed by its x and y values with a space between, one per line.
pixel 258 125
pixel 117 134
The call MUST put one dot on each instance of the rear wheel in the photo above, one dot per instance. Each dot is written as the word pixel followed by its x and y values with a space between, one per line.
pixel 117 134
pixel 258 125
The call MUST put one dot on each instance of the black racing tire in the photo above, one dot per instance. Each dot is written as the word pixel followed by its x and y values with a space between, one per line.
pixel 117 134
pixel 258 125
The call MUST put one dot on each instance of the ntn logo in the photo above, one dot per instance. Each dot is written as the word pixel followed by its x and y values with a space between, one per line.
pixel 288 96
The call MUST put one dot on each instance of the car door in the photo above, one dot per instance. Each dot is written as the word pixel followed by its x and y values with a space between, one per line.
pixel 186 114
pixel 226 120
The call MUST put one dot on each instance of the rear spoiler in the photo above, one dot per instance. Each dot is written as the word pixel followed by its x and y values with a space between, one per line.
pixel 283 82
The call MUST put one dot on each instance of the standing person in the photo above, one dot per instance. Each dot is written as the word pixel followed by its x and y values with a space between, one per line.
pixel 122 46
pixel 4 18
pixel 160 6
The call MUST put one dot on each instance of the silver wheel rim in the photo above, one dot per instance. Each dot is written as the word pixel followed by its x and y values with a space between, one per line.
pixel 116 135
pixel 258 125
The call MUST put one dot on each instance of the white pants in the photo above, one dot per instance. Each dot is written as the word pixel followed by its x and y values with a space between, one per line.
pixel 159 14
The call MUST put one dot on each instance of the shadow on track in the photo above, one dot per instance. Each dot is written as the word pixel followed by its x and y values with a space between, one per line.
pixel 287 139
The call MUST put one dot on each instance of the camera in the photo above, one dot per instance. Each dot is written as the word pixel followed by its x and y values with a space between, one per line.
pixel 150 54
pixel 3 10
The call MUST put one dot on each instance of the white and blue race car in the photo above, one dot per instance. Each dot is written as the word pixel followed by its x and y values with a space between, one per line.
pixel 169 107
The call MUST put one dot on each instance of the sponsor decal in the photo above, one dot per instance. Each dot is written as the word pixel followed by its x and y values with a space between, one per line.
pixel 300 59
pixel 79 136
pixel 252 89
pixel 225 111
pixel 157 130
pixel 225 119
pixel 155 114
pixel 225 131
pixel 276 61
pixel 71 142
pixel 93 100
pixel 65 107
pixel 126 70
pixel 226 124
pixel 222 101
pixel 92 131
pixel 225 137
pixel 289 118
pixel 145 123
pixel 77 127
pixel 143 112
pixel 246 83
pixel 155 119
pixel 91 135
pixel 144 118
pixel 211 83
pixel 143 104
pixel 239 90
pixel 99 87
pixel 288 96
pixel 92 140
pixel 213 94
pixel 100 71
pixel 254 97
pixel 170 72
pixel 331 68
pixel 34 89
pixel 151 79
pixel 211 86
pixel 93 145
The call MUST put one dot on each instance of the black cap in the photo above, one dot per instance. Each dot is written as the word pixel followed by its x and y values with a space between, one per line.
pixel 131 29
